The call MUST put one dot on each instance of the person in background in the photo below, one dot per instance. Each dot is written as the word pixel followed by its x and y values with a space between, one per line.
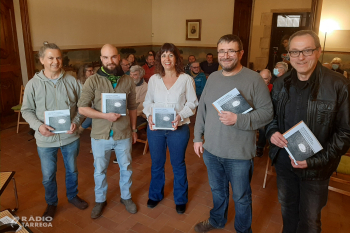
pixel 283 50
pixel 199 78
pixel 209 66
pixel 319 97
pixel 151 52
pixel 85 71
pixel 170 87
pixel 280 69
pixel 260 145
pixel 191 59
pixel 131 59
pixel 336 64
pixel 149 67
pixel 125 66
pixel 110 131
pixel 53 89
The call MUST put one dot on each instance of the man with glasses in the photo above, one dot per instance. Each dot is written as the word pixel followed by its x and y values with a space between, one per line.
pixel 187 67
pixel 125 66
pixel 230 138
pixel 319 97
pixel 199 78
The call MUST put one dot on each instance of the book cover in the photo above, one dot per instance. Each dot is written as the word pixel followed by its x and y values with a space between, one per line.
pixel 114 102
pixel 234 102
pixel 162 118
pixel 59 120
pixel 302 143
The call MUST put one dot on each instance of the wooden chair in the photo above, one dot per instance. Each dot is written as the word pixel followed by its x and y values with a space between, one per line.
pixel 18 109
pixel 5 178
pixel 140 127
pixel 268 171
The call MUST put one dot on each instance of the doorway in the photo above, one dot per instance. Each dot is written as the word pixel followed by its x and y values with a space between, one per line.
pixel 10 69
pixel 283 26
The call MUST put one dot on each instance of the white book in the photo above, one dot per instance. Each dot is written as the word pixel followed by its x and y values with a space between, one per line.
pixel 162 118
pixel 59 120
pixel 234 102
pixel 114 102
pixel 302 143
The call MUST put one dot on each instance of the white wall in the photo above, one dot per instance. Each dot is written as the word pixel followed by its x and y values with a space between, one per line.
pixel 338 11
pixel 169 21
pixel 90 23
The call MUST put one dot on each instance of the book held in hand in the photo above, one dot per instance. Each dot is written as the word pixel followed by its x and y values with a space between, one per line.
pixel 234 102
pixel 162 118
pixel 114 102
pixel 59 120
pixel 302 143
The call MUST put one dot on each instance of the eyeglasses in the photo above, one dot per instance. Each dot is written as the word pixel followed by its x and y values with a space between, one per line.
pixel 195 67
pixel 230 52
pixel 306 52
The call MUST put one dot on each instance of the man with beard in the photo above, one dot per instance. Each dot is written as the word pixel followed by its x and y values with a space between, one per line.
pixel 149 67
pixel 187 67
pixel 209 66
pixel 230 138
pixel 110 130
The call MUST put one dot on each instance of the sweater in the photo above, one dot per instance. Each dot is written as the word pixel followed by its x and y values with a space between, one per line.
pixel 149 71
pixel 236 141
pixel 42 95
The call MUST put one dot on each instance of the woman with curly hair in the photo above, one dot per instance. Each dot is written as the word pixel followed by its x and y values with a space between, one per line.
pixel 169 87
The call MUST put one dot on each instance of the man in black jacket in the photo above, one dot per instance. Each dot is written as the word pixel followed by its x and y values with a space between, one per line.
pixel 319 97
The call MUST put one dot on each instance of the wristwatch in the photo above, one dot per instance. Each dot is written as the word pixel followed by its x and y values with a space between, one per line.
pixel 134 130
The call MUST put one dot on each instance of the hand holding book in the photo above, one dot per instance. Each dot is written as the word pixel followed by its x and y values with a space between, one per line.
pixel 227 118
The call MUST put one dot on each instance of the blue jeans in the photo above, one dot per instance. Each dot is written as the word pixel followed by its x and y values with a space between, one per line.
pixel 221 172
pixel 48 159
pixel 177 141
pixel 301 200
pixel 101 150
pixel 87 123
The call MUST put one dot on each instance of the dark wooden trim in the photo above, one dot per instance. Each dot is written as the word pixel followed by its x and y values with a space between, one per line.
pixel 337 52
pixel 27 38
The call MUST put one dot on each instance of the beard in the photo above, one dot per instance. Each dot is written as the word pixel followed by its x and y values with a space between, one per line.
pixel 113 71
pixel 230 67
pixel 136 81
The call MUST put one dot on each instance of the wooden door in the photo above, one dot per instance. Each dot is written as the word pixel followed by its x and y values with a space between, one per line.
pixel 10 69
pixel 241 25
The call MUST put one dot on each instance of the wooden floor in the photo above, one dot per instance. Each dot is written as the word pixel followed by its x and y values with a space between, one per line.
pixel 20 155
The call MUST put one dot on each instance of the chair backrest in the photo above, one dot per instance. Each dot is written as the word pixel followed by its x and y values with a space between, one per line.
pixel 21 95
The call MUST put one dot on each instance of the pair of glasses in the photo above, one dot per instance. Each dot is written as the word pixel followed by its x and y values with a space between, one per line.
pixel 230 52
pixel 306 52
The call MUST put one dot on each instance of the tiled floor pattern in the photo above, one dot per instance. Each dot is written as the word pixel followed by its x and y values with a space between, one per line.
pixel 19 154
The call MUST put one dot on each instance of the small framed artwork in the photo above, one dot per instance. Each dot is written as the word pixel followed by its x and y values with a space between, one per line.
pixel 193 29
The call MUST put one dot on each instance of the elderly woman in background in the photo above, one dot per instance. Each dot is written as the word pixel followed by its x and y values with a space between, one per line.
pixel 336 64
pixel 85 71
pixel 131 59
pixel 280 69
pixel 169 87
pixel 137 73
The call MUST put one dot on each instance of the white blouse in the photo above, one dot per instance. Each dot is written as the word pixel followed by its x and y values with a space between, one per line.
pixel 181 96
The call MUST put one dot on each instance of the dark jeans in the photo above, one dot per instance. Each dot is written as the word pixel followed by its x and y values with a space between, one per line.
pixel 221 172
pixel 177 141
pixel 262 138
pixel 301 200
pixel 87 123
pixel 48 159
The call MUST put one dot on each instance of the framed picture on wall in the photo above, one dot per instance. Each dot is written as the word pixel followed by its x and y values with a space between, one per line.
pixel 193 29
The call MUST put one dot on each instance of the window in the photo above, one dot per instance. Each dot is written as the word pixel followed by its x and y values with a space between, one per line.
pixel 288 21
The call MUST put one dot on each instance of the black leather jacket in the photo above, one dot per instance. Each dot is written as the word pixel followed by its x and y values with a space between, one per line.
pixel 328 117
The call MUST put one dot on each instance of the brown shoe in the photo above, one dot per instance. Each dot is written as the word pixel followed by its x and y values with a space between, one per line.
pixel 49 213
pixel 97 210
pixel 129 205
pixel 204 226
pixel 79 203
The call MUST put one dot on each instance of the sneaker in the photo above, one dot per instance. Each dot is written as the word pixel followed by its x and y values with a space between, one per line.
pixel 49 213
pixel 97 210
pixel 79 203
pixel 259 152
pixel 115 161
pixel 204 226
pixel 129 205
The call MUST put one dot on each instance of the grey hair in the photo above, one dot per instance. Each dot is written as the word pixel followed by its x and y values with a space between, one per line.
pixel 303 33
pixel 194 63
pixel 138 68
pixel 283 64
pixel 268 72
pixel 46 46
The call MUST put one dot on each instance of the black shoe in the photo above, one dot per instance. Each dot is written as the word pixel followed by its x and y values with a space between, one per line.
pixel 180 209
pixel 151 204
pixel 115 161
pixel 259 152
pixel 49 213
pixel 79 203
